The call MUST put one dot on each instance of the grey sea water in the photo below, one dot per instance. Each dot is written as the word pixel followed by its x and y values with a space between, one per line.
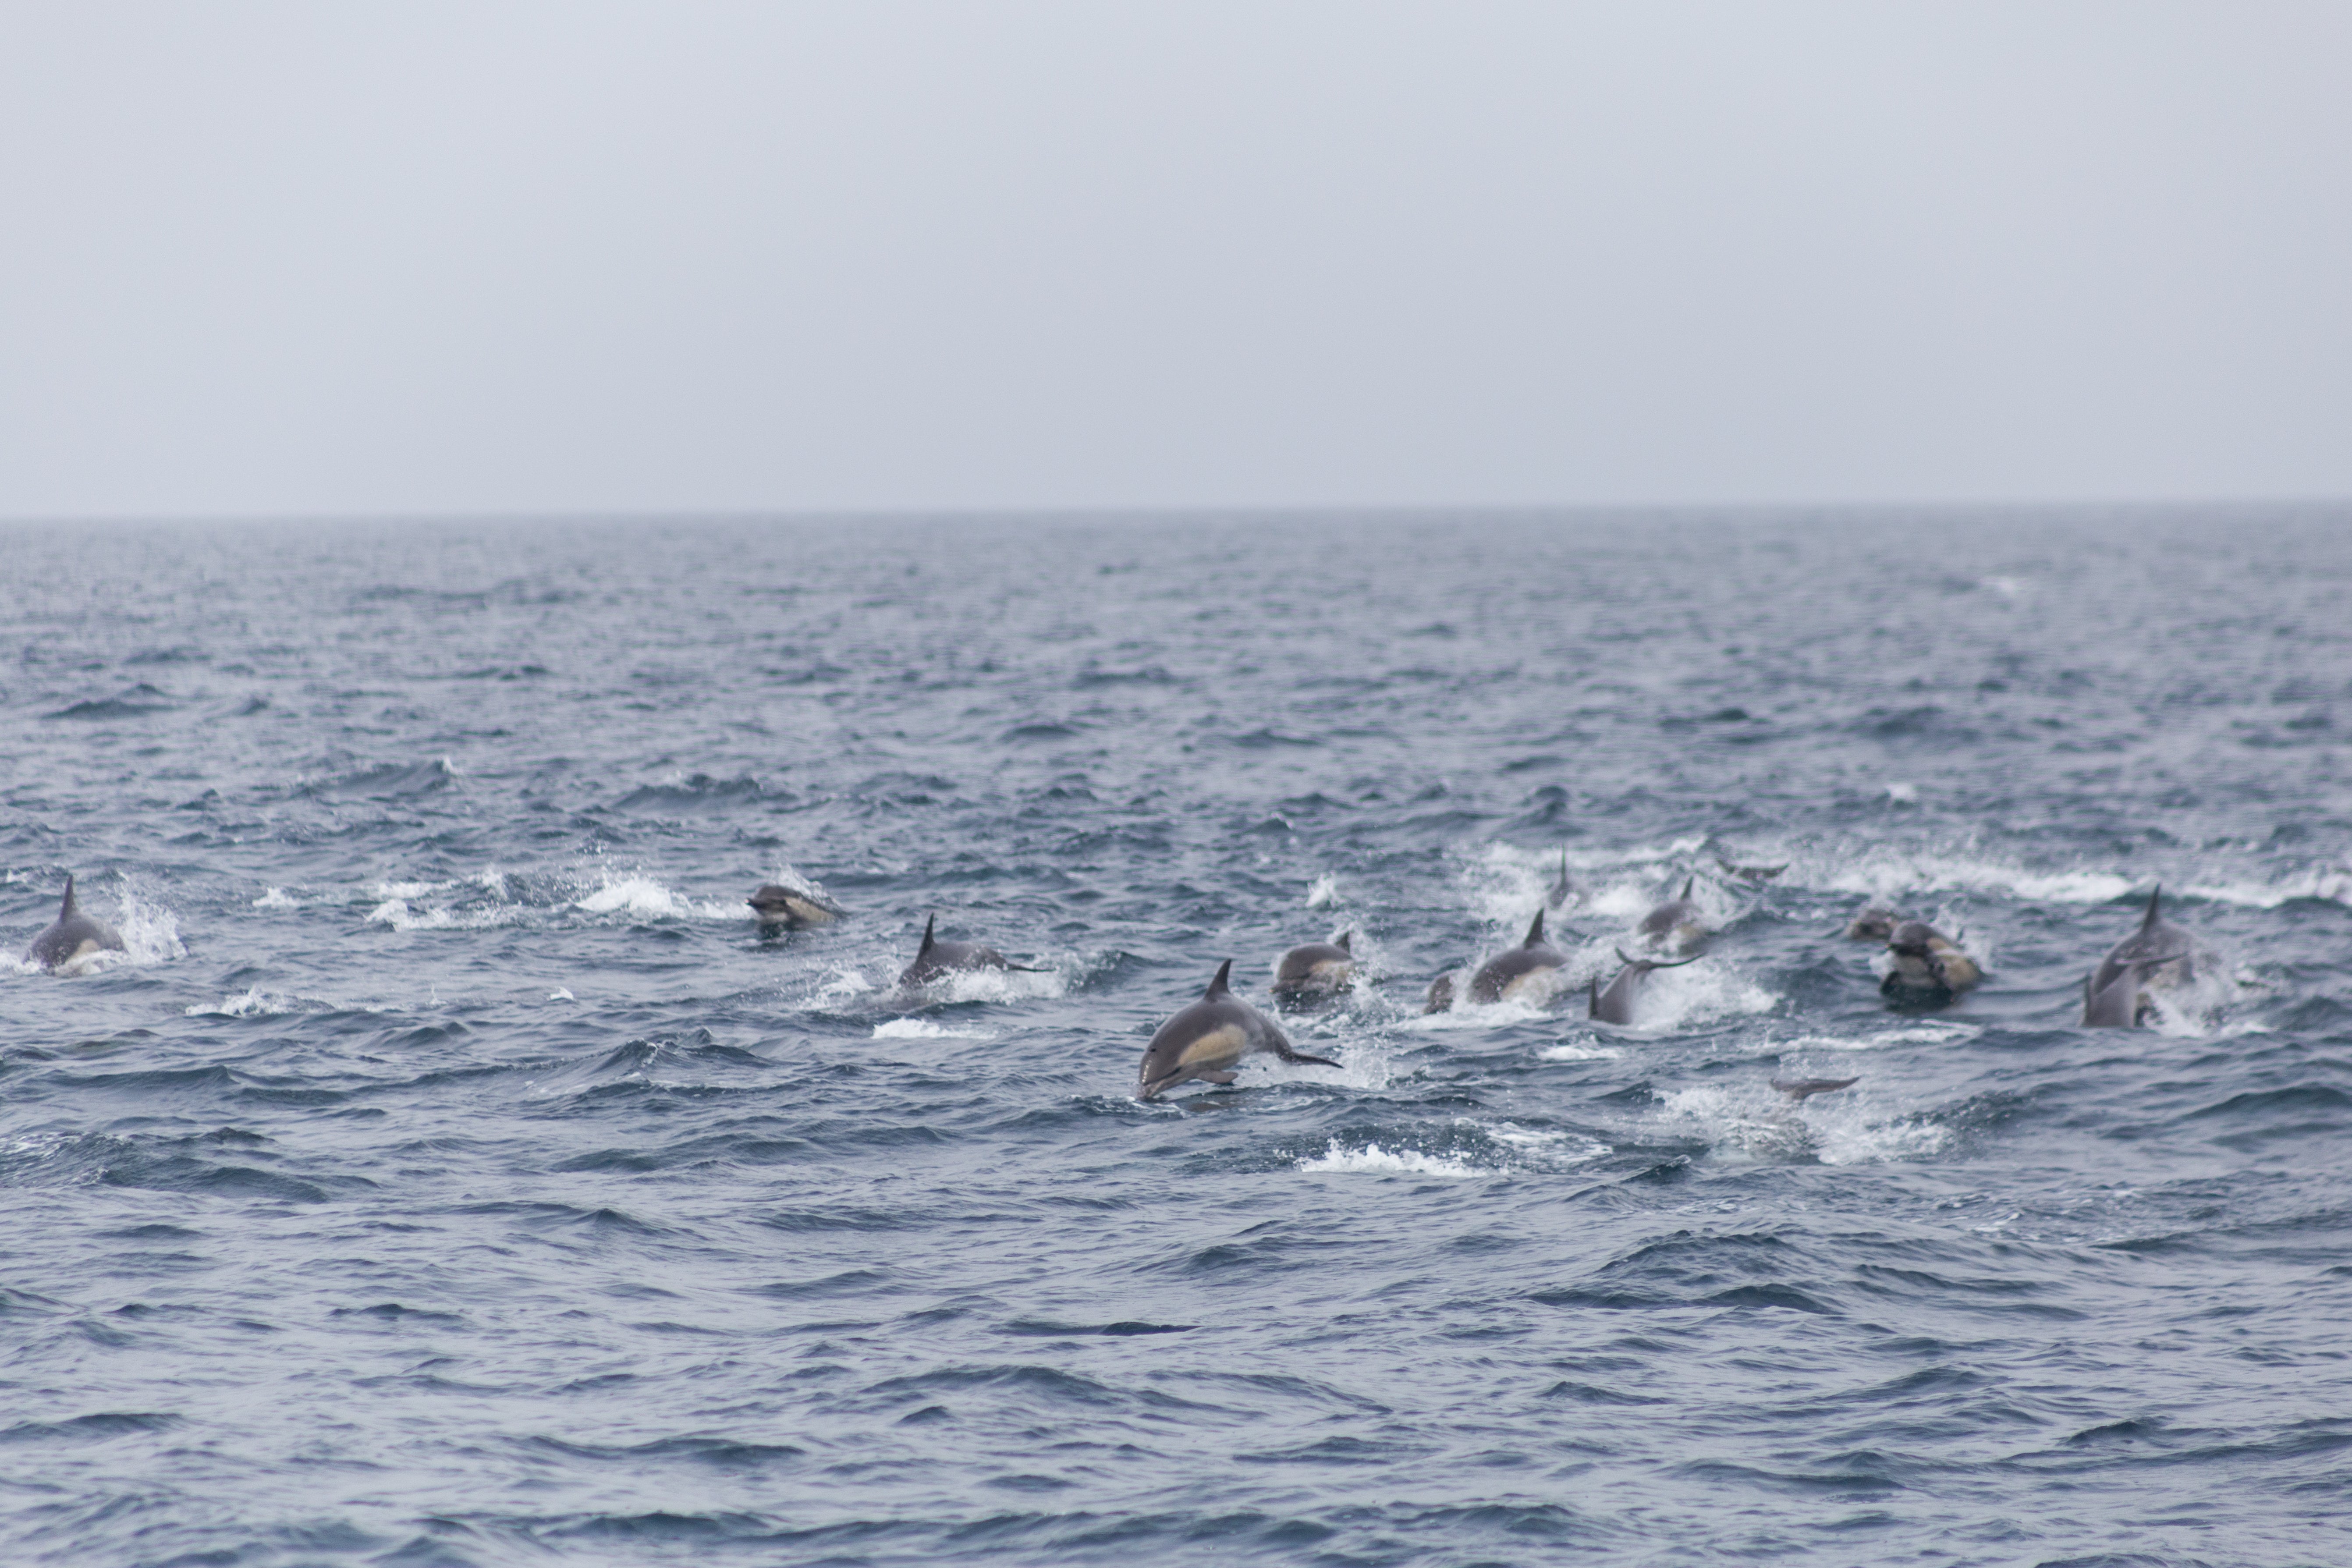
pixel 450 1172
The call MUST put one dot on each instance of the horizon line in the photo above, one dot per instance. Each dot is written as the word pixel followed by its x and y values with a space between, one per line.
pixel 1204 511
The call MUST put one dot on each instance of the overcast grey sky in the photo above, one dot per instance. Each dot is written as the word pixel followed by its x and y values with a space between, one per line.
pixel 428 257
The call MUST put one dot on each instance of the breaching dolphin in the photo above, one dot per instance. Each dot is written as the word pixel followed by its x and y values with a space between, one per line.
pixel 1316 970
pixel 1929 967
pixel 1523 967
pixel 2164 950
pixel 1208 1038
pixel 936 960
pixel 793 908
pixel 73 939
pixel 1675 920
pixel 1615 1005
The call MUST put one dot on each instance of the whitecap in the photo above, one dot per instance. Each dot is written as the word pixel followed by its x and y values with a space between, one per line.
pixel 277 898
pixel 924 1029
pixel 1323 892
pixel 1373 1160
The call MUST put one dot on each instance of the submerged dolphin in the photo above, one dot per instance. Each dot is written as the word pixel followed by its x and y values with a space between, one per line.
pixel 1676 919
pixel 1506 974
pixel 1929 967
pixel 1562 890
pixel 1208 1038
pixel 1797 1089
pixel 1615 1005
pixel 793 908
pixel 2163 948
pixel 936 960
pixel 1316 969
pixel 73 938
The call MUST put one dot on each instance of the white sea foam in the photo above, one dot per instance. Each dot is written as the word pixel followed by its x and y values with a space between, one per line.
pixel 1541 1147
pixel 1373 1160
pixel 1753 1121
pixel 1884 873
pixel 256 1003
pixel 402 891
pixel 562 993
pixel 277 898
pixel 1323 892
pixel 1578 1051
pixel 924 1029
pixel 2331 882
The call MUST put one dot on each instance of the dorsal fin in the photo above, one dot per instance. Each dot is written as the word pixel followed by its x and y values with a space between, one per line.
pixel 66 911
pixel 1535 933
pixel 1343 941
pixel 1593 997
pixel 1218 987
pixel 929 941
pixel 2148 921
pixel 1688 883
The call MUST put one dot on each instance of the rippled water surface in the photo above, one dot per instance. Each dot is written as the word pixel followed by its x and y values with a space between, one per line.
pixel 450 1172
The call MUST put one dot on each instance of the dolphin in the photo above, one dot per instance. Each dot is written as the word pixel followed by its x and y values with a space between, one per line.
pixel 1929 967
pixel 1873 921
pixel 1506 974
pixel 73 938
pixel 936 960
pixel 1676 919
pixel 1751 873
pixel 1615 1005
pixel 1562 890
pixel 2124 1001
pixel 1318 969
pixel 2159 944
pixel 1797 1089
pixel 1208 1038
pixel 1441 995
pixel 794 909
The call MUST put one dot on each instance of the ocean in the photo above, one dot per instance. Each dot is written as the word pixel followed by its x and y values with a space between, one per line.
pixel 451 1171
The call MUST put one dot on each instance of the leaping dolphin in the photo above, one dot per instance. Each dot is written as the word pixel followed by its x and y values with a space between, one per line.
pixel 1208 1038
pixel 2124 1003
pixel 795 909
pixel 1507 974
pixel 1615 1006
pixel 74 938
pixel 936 960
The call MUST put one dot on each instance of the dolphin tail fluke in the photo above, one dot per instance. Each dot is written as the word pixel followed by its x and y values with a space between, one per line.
pixel 1534 931
pixel 1218 987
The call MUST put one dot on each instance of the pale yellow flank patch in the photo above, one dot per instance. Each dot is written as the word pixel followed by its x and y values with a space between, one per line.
pixel 1215 1048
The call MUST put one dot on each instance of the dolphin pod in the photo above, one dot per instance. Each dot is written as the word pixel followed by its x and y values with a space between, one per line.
pixel 1208 1038
pixel 73 939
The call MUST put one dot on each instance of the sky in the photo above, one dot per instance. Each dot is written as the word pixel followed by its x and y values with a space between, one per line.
pixel 427 257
